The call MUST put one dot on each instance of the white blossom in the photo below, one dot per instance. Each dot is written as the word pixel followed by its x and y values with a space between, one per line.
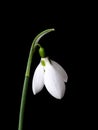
pixel 52 75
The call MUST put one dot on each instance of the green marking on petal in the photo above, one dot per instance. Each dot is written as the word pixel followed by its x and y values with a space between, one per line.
pixel 43 63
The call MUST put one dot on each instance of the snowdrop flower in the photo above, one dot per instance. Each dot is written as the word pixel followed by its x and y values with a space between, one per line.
pixel 48 73
pixel 52 75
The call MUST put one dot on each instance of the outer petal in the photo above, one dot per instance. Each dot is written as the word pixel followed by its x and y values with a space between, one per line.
pixel 54 82
pixel 60 70
pixel 38 79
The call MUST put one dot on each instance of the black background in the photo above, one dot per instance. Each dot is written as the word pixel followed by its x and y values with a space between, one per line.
pixel 67 45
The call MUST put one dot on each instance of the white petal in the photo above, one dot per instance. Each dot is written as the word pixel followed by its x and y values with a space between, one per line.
pixel 38 79
pixel 60 70
pixel 54 82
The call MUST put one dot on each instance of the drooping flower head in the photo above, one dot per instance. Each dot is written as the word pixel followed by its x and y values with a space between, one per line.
pixel 50 74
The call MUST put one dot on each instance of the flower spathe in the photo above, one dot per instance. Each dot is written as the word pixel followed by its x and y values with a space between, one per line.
pixel 52 75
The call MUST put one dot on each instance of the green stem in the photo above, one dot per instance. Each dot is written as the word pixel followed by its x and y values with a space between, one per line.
pixel 23 102
pixel 27 75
